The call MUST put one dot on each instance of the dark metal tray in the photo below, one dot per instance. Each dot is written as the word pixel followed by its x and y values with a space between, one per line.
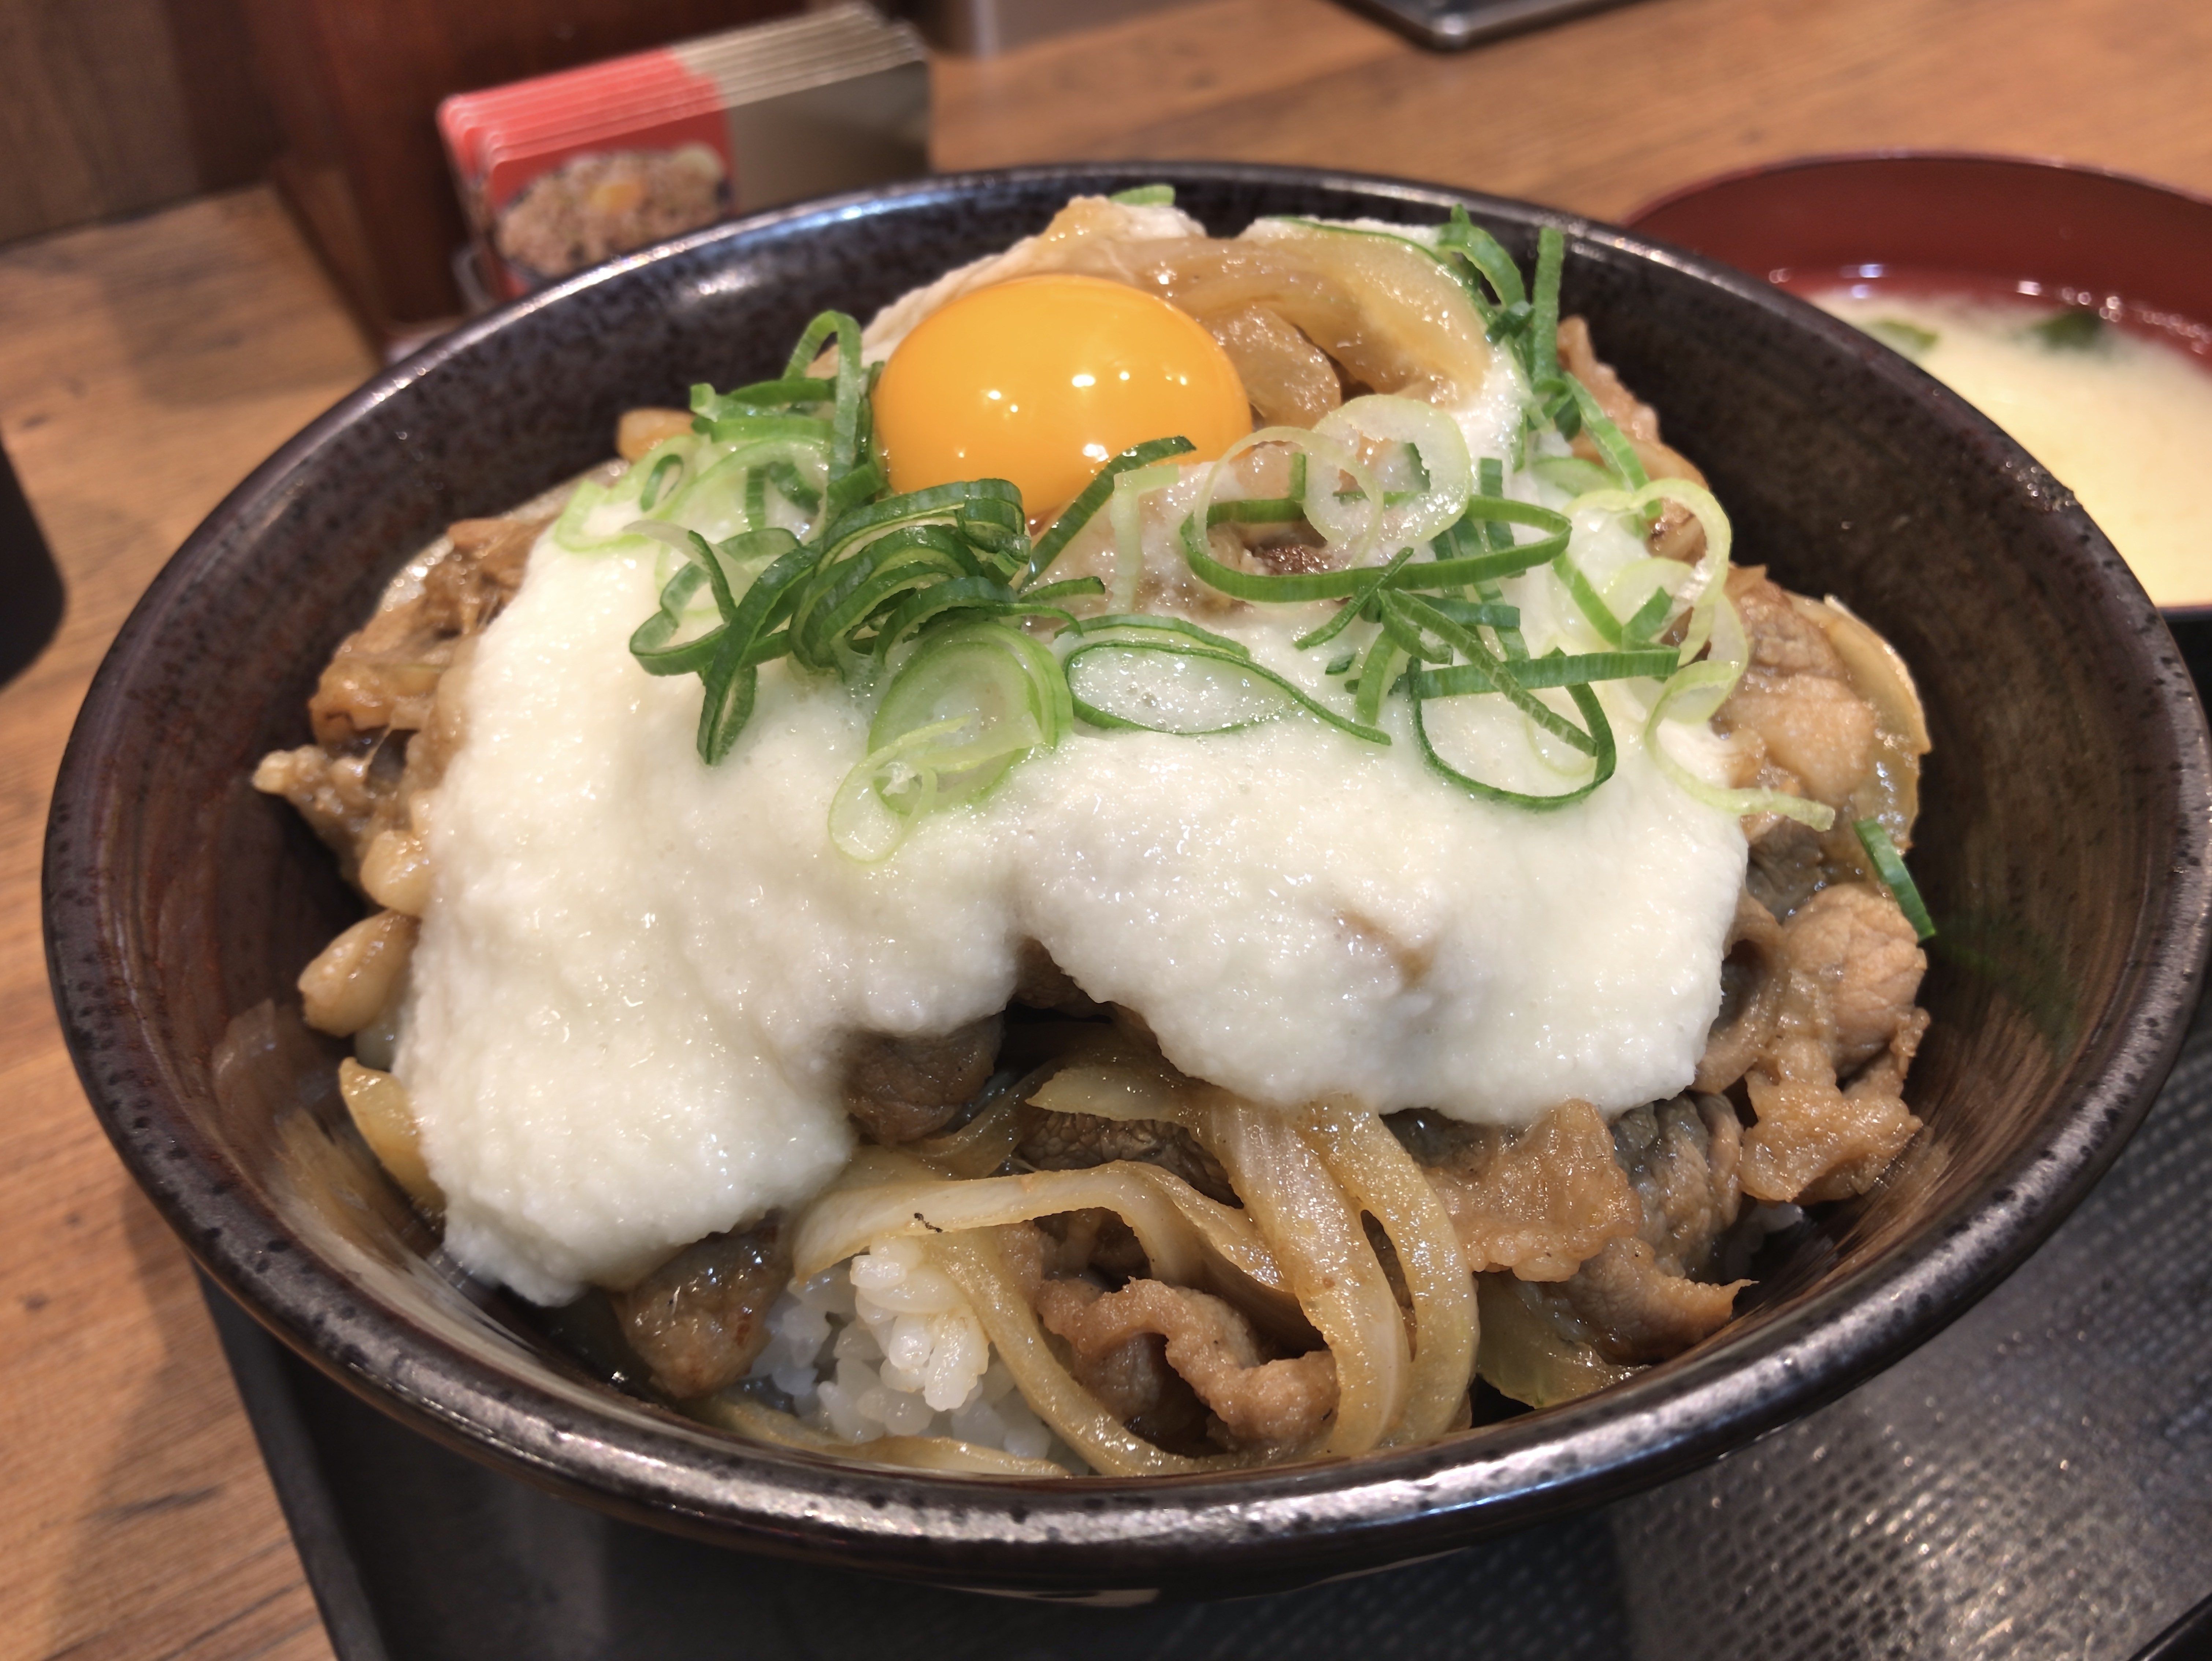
pixel 1452 25
pixel 2037 1480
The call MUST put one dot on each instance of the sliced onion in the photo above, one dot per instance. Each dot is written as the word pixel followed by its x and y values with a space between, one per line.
pixel 1300 1209
pixel 1116 1087
pixel 1382 1178
pixel 1411 310
pixel 1525 1357
pixel 1878 673
pixel 979 1147
pixel 1173 1221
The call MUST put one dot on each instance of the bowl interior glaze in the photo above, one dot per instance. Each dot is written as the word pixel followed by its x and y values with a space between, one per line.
pixel 2062 851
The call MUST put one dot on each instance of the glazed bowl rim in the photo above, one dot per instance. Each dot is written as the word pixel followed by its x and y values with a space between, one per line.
pixel 2045 164
pixel 1322 1517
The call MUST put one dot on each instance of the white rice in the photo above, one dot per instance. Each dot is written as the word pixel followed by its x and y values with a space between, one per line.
pixel 883 1344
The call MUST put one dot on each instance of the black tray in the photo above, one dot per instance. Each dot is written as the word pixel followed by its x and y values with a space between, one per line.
pixel 2037 1480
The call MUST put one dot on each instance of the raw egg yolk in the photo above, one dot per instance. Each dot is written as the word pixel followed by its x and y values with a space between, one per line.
pixel 1043 380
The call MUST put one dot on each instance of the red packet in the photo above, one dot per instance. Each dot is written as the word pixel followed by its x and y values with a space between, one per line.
pixel 563 171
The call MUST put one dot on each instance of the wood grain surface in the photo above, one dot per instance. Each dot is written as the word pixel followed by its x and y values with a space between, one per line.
pixel 148 366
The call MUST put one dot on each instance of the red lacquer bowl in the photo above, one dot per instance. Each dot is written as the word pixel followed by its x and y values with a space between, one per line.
pixel 1979 225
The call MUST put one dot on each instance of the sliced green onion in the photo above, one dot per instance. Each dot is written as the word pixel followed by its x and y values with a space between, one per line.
pixel 1134 684
pixel 1321 509
pixel 1486 665
pixel 1126 512
pixel 1711 681
pixel 1356 604
pixel 1387 657
pixel 2076 328
pixel 1601 749
pixel 1487 255
pixel 1066 589
pixel 795 489
pixel 653 643
pixel 1543 360
pixel 971 702
pixel 1620 458
pixel 1120 622
pixel 971 596
pixel 669 464
pixel 859 591
pixel 761 398
pixel 863 825
pixel 732 679
pixel 1648 619
pixel 1908 338
pixel 1587 599
pixel 753 426
pixel 1439 454
pixel 1489 515
pixel 1009 687
pixel 1889 866
pixel 1257 510
pixel 1146 195
pixel 1554 669
pixel 728 496
pixel 846 386
pixel 1092 497
pixel 1571 473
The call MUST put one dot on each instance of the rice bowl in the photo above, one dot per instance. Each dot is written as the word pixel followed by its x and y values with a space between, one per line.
pixel 1827 1314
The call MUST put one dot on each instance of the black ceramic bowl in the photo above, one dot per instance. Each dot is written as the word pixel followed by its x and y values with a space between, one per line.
pixel 2062 851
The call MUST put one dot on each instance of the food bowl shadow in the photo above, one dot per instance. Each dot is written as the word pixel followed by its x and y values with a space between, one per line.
pixel 2062 851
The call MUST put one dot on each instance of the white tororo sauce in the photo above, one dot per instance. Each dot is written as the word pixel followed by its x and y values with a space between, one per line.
pixel 636 972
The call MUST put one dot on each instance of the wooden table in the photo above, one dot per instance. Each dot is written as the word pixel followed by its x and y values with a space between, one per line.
pixel 148 366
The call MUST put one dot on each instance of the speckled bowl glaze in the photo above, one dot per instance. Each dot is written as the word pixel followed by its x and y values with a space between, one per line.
pixel 2062 851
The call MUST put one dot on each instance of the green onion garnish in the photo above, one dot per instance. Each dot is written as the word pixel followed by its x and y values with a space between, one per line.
pixel 1571 473
pixel 1899 336
pixel 1146 195
pixel 1889 866
pixel 1080 512
pixel 1603 755
pixel 934 595
pixel 667 465
pixel 2076 328
pixel 1486 257
pixel 1543 355
pixel 1207 689
pixel 1120 622
pixel 1552 669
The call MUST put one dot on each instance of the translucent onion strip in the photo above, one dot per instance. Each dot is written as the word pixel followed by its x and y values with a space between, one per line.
pixel 1173 1221
pixel 938 1453
pixel 979 1147
pixel 1297 1205
pixel 1383 1181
